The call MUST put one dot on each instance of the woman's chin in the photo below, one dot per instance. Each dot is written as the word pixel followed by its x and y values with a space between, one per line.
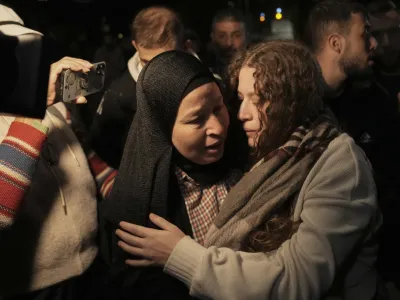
pixel 211 157
pixel 251 142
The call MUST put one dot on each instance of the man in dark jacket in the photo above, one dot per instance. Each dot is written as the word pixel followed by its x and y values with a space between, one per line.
pixel 339 34
pixel 154 31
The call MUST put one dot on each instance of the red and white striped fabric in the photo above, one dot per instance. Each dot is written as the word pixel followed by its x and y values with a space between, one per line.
pixel 19 152
pixel 203 202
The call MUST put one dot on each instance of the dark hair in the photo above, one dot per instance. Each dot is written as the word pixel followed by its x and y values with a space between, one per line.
pixel 330 16
pixel 230 14
pixel 288 78
pixel 156 27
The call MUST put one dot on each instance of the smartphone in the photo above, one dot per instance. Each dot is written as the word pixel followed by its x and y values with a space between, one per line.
pixel 71 85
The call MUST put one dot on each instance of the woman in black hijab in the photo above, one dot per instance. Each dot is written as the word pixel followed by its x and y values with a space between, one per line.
pixel 173 165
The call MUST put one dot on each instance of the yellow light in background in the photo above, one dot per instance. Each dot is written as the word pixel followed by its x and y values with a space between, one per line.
pixel 278 16
pixel 120 36
pixel 262 19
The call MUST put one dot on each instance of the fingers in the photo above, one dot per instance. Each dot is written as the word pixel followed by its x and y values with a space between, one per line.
pixel 81 100
pixel 135 251
pixel 140 263
pixel 81 61
pixel 137 230
pixel 161 222
pixel 129 238
pixel 63 65
pixel 75 64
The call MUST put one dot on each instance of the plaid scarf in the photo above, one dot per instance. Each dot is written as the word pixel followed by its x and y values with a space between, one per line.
pixel 271 183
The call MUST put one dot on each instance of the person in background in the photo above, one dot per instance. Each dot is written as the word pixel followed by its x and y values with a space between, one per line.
pixel 154 31
pixel 385 25
pixel 228 35
pixel 111 53
pixel 192 42
pixel 339 34
pixel 302 224
pixel 48 203
pixel 340 37
pixel 174 163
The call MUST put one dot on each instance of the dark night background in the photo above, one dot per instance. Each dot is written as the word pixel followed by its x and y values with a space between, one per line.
pixel 66 20
pixel 196 14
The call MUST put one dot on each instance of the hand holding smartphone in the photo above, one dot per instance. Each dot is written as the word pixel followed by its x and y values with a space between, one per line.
pixel 71 84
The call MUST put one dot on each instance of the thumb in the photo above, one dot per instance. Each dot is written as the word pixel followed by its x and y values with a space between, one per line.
pixel 81 100
pixel 161 222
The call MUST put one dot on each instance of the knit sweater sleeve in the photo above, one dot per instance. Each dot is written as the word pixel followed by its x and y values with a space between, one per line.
pixel 19 153
pixel 103 173
pixel 339 205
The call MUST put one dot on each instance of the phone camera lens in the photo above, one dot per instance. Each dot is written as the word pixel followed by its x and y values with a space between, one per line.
pixel 100 72
pixel 101 66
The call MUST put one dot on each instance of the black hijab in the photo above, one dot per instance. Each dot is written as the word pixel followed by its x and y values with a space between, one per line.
pixel 146 181
pixel 143 182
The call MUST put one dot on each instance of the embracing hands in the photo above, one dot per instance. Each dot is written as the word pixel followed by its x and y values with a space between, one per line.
pixel 152 246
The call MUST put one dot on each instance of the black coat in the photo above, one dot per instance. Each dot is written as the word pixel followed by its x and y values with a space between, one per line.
pixel 110 127
pixel 146 181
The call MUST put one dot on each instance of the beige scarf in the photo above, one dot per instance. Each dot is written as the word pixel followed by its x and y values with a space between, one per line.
pixel 270 184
